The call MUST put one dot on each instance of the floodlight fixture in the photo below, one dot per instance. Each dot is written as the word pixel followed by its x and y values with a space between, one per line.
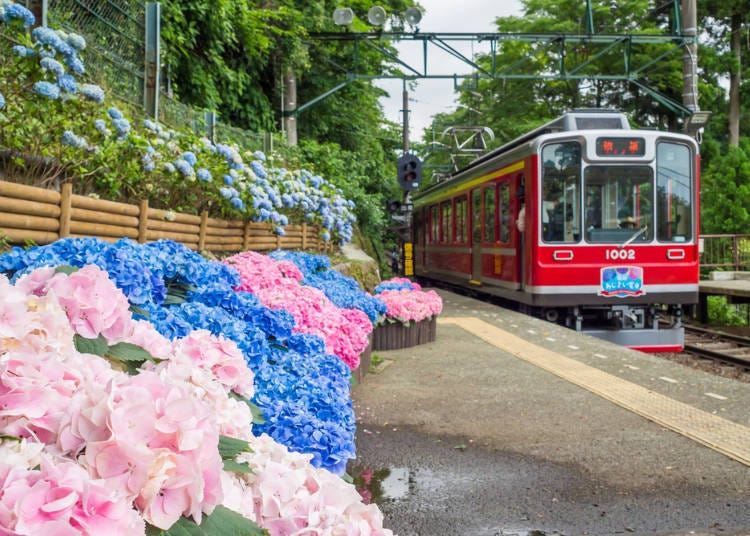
pixel 343 16
pixel 412 16
pixel 697 120
pixel 376 16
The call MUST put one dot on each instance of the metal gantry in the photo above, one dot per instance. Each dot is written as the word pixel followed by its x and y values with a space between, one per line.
pixel 577 55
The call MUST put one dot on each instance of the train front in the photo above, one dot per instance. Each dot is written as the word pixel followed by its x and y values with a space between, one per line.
pixel 616 252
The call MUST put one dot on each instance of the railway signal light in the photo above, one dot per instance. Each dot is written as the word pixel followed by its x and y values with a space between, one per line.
pixel 409 171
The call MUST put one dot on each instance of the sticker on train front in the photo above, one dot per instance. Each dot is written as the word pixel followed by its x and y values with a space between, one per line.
pixel 622 281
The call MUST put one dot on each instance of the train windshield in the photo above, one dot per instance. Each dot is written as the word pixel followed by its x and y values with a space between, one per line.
pixel 619 203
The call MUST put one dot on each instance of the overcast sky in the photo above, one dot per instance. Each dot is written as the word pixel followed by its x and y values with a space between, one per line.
pixel 436 96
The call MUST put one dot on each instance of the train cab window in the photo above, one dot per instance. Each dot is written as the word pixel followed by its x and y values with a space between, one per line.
pixel 447 223
pixel 503 212
pixel 674 165
pixel 462 220
pixel 618 203
pixel 561 178
pixel 489 214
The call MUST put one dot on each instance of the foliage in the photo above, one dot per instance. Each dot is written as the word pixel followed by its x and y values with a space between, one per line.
pixel 726 184
pixel 721 313
pixel 56 129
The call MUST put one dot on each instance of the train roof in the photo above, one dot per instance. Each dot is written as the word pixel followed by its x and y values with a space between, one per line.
pixel 588 119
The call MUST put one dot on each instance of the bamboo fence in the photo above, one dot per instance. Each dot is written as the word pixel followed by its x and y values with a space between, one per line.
pixel 29 214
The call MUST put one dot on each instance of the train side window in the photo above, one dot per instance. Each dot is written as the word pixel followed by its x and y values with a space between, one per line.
pixel 503 210
pixel 561 184
pixel 489 214
pixel 434 225
pixel 674 213
pixel 461 220
pixel 447 224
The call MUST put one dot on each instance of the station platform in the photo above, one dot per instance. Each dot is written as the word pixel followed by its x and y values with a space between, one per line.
pixel 734 285
pixel 509 425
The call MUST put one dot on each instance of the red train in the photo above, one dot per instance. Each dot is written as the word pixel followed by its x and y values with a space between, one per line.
pixel 584 220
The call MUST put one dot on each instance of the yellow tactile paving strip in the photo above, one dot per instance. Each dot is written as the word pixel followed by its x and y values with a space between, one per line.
pixel 719 434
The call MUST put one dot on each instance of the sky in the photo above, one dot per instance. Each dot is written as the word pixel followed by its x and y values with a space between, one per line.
pixel 430 97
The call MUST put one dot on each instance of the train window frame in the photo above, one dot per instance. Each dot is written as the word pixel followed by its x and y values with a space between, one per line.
pixel 489 230
pixel 675 224
pixel 434 224
pixel 446 222
pixel 461 215
pixel 503 212
pixel 561 183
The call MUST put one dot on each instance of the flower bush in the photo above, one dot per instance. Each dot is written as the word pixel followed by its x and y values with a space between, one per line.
pixel 343 291
pixel 407 302
pixel 277 285
pixel 302 390
pixel 56 128
pixel 108 426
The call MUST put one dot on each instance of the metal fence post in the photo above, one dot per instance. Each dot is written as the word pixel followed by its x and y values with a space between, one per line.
pixel 210 118
pixel 153 66
pixel 39 9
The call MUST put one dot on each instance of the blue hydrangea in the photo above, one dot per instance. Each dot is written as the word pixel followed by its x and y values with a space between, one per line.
pixel 203 174
pixel 122 126
pixel 67 83
pixel 52 65
pixel 19 13
pixel 189 157
pixel 114 113
pixel 77 42
pixel 23 51
pixel 93 93
pixel 184 167
pixel 47 89
pixel 237 203
pixel 73 140
pixel 2 101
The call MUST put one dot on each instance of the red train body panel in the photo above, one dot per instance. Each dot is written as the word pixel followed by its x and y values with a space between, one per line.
pixel 607 237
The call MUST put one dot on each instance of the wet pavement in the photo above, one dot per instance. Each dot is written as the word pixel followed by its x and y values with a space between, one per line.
pixel 457 437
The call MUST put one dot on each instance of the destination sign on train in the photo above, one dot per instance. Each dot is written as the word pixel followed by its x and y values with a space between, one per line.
pixel 620 147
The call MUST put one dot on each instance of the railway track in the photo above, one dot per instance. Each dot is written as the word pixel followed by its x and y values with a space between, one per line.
pixel 720 347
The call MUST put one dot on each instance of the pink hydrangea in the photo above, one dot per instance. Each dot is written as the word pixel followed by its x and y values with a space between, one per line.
pixel 289 496
pixel 411 305
pixel 61 498
pixel 276 283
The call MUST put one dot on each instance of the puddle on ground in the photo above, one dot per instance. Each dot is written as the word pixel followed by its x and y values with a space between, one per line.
pixel 381 485
pixel 388 484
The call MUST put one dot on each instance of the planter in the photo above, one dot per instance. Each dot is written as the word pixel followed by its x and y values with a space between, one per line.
pixel 364 362
pixel 397 335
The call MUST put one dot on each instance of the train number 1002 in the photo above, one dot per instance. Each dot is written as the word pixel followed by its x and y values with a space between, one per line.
pixel 620 254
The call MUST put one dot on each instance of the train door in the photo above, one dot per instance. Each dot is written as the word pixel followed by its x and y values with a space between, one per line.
pixel 476 234
pixel 522 231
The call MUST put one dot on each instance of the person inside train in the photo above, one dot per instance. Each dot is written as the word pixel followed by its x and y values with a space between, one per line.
pixel 628 223
pixel 556 213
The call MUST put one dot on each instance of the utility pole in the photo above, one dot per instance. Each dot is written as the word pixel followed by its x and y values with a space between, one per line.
pixel 406 119
pixel 290 103
pixel 690 57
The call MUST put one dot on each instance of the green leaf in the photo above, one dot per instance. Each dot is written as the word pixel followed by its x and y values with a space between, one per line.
pixel 230 447
pixel 139 311
pixel 126 351
pixel 66 269
pixel 96 346
pixel 221 522
pixel 237 467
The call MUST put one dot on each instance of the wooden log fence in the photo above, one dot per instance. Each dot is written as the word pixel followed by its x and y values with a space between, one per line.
pixel 29 214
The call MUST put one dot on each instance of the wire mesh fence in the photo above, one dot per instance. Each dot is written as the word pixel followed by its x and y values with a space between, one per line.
pixel 115 56
pixel 114 33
